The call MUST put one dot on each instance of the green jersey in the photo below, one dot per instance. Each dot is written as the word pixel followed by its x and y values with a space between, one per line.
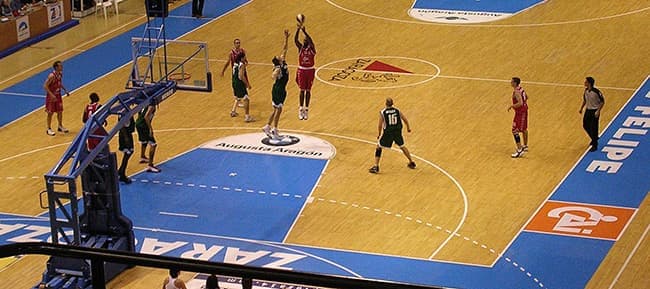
pixel 238 85
pixel 280 83
pixel 392 119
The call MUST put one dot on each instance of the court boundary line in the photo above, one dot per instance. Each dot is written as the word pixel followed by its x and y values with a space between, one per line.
pixel 33 151
pixel 23 215
pixel 629 257
pixel 548 197
pixel 23 94
pixel 178 214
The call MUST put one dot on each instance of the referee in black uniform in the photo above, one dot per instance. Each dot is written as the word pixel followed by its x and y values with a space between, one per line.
pixel 594 101
pixel 389 131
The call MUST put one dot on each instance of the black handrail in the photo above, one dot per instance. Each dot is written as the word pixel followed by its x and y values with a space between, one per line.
pixel 99 256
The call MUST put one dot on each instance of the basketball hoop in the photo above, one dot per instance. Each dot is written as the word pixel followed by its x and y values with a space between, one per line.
pixel 180 76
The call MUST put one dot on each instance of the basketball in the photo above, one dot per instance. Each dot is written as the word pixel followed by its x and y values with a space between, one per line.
pixel 300 18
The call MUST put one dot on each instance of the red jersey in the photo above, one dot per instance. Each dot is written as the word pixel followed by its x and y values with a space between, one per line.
pixel 56 85
pixel 233 55
pixel 524 99
pixel 306 57
pixel 90 109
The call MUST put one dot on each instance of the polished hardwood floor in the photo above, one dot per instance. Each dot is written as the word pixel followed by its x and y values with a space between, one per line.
pixel 456 100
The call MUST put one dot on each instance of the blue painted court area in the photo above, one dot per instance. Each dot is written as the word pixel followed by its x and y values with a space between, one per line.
pixel 614 175
pixel 234 194
pixel 28 95
pixel 502 6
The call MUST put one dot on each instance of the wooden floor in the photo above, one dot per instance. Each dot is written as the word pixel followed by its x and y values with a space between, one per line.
pixel 459 119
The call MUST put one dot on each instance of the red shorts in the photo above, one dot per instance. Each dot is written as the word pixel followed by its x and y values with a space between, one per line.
pixel 53 104
pixel 305 78
pixel 520 122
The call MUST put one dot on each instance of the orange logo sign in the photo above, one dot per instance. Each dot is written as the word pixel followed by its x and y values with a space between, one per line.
pixel 581 220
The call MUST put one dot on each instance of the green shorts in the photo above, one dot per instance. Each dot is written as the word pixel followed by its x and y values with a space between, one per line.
pixel 278 97
pixel 144 135
pixel 388 137
pixel 126 142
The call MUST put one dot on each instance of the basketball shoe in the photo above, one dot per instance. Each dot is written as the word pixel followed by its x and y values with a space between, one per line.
pixel 275 134
pixel 153 169
pixel 518 153
pixel 267 130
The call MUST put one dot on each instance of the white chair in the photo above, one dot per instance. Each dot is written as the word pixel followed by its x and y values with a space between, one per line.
pixel 103 5
pixel 117 11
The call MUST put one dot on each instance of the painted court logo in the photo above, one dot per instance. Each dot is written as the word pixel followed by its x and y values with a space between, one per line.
pixel 581 220
pixel 294 145
pixel 377 72
pixel 468 11
pixel 283 140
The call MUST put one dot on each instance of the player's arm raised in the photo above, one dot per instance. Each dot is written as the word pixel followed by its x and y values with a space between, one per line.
pixel 313 46
pixel 283 55
pixel 295 37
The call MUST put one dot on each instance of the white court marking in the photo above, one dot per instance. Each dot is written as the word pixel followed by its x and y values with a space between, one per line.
pixel 439 75
pixel 430 76
pixel 451 233
pixel 629 257
pixel 178 214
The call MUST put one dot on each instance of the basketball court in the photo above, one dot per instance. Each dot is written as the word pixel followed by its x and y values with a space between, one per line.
pixel 469 216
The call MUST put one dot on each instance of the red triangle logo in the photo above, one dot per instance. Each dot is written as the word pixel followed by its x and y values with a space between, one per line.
pixel 380 66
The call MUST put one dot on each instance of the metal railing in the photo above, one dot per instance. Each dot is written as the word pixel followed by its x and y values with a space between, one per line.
pixel 97 258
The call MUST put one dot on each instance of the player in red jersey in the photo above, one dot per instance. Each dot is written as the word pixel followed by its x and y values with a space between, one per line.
pixel 306 71
pixel 520 121
pixel 90 109
pixel 236 50
pixel 53 101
